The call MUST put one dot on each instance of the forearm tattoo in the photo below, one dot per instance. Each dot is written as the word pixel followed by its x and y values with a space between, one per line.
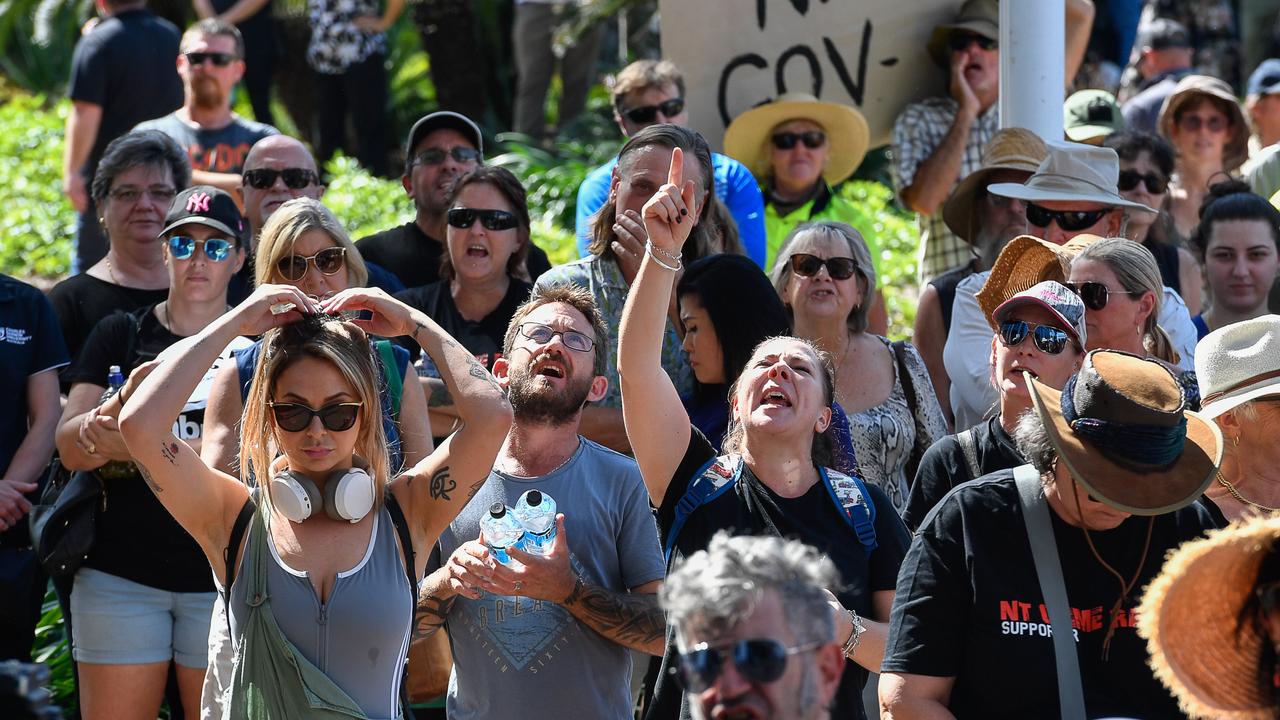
pixel 151 482
pixel 431 613
pixel 439 393
pixel 633 619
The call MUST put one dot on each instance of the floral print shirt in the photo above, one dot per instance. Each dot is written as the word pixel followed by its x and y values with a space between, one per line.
pixel 336 42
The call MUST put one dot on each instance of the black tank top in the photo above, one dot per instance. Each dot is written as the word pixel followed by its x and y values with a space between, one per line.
pixel 1167 261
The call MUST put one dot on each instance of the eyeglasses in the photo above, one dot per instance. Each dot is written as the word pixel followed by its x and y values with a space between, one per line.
pixel 649 113
pixel 490 219
pixel 182 247
pixel 328 261
pixel 758 660
pixel 295 417
pixel 961 41
pixel 132 194
pixel 812 139
pixel 218 59
pixel 1129 180
pixel 1094 294
pixel 435 156
pixel 1193 123
pixel 1048 339
pixel 542 335
pixel 1068 220
pixel 294 178
pixel 839 268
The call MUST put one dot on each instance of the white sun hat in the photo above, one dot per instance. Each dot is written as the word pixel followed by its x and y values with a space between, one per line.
pixel 1238 363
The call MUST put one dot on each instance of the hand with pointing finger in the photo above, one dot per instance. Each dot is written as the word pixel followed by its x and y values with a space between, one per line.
pixel 669 215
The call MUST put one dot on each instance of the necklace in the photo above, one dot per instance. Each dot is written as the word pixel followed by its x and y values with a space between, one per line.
pixel 168 321
pixel 1242 499
pixel 111 273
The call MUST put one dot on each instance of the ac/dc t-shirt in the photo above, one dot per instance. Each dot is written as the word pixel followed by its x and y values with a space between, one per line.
pixel 220 150
pixel 943 467
pixel 969 607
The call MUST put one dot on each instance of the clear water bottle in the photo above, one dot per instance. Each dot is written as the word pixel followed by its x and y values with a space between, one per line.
pixel 500 531
pixel 115 469
pixel 536 512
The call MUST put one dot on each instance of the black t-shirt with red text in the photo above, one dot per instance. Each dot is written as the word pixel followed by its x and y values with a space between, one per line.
pixel 969 606
pixel 222 150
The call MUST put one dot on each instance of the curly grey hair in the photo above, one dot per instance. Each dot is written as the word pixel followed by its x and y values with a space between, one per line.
pixel 1032 439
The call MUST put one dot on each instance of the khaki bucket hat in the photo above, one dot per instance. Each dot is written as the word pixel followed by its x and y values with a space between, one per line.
pixel 1072 172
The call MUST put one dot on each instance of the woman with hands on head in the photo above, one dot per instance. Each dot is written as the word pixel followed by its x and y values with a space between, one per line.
pixel 777 445
pixel 321 569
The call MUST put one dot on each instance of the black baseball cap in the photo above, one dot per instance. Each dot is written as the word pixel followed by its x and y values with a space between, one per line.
pixel 1162 34
pixel 443 119
pixel 205 205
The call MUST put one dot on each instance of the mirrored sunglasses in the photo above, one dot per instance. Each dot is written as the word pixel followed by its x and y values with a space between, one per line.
pixel 1068 220
pixel 812 139
pixel 182 247
pixel 490 219
pixel 839 268
pixel 294 178
pixel 1048 339
pixel 295 417
pixel 328 261
pixel 649 113
pixel 759 660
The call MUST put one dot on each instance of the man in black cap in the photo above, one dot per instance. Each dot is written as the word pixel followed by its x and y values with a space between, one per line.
pixel 1165 57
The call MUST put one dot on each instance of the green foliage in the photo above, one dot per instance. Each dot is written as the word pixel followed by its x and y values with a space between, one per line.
pixel 52 648
pixel 37 222
pixel 37 38
pixel 896 239
pixel 365 204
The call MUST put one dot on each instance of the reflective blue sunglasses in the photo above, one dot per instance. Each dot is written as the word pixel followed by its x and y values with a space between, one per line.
pixel 183 247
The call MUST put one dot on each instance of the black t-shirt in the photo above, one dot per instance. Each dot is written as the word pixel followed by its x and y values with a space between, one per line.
pixel 125 65
pixel 943 467
pixel 812 518
pixel 415 256
pixel 482 338
pixel 82 300
pixel 255 29
pixel 969 606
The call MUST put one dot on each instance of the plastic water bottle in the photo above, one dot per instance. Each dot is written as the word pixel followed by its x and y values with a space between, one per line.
pixel 501 531
pixel 536 512
pixel 115 469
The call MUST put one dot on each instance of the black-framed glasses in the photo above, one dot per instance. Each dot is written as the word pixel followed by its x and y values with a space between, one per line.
pixel 1068 220
pixel 217 58
pixel 491 219
pixel 1129 179
pixel 839 268
pixel 295 417
pixel 542 335
pixel 1048 339
pixel 1095 295
pixel 648 113
pixel 328 261
pixel 435 156
pixel 294 178
pixel 812 139
pixel 962 40
pixel 133 193
pixel 1213 123
pixel 759 660
pixel 182 247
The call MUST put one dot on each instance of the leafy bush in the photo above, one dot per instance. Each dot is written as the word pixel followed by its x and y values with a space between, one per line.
pixel 37 222
pixel 896 239
pixel 52 648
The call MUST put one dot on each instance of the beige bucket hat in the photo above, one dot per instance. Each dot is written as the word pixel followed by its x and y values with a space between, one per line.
pixel 1238 363
pixel 1072 172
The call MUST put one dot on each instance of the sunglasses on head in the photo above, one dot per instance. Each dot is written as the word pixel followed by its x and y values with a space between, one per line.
pixel 759 660
pixel 328 261
pixel 1129 180
pixel 1193 123
pixel 839 268
pixel 491 219
pixel 649 113
pixel 1095 295
pixel 435 156
pixel 1048 339
pixel 295 417
pixel 217 58
pixel 294 178
pixel 542 335
pixel 961 41
pixel 1068 220
pixel 812 139
pixel 182 247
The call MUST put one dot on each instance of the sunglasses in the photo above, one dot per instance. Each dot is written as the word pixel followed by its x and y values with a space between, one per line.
pixel 759 660
pixel 962 41
pixel 435 156
pixel 649 113
pixel 491 219
pixel 1129 180
pixel 218 59
pixel 1048 339
pixel 328 261
pixel 542 335
pixel 1068 220
pixel 295 417
pixel 812 139
pixel 294 178
pixel 1193 123
pixel 839 268
pixel 182 247
pixel 1094 294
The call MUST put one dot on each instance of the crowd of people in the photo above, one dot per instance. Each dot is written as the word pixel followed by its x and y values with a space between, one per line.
pixel 301 443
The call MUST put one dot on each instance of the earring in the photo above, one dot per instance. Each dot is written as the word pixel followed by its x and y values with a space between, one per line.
pixel 1236 440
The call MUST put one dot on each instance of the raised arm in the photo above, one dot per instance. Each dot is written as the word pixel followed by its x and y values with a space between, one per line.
pixel 656 421
pixel 221 446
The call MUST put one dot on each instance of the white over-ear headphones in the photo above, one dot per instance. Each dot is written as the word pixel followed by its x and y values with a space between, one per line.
pixel 348 494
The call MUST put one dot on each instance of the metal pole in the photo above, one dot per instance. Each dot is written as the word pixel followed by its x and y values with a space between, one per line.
pixel 1033 65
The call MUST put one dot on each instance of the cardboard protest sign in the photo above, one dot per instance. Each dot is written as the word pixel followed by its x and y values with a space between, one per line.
pixel 736 54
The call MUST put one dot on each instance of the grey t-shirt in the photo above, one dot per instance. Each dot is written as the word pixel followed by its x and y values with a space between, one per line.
pixel 517 658
pixel 222 150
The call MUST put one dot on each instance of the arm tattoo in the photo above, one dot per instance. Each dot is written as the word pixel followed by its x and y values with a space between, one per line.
pixel 169 449
pixel 439 396
pixel 631 619
pixel 442 484
pixel 431 615
pixel 151 482
pixel 478 372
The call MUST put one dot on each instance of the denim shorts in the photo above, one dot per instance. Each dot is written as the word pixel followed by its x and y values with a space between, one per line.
pixel 121 622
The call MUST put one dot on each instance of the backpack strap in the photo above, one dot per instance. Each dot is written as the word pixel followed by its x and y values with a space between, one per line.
pixel 390 371
pixel 969 448
pixel 710 482
pixel 232 550
pixel 851 497
pixel 899 348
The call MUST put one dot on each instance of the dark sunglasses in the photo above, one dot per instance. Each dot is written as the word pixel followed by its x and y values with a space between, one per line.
pixel 812 139
pixel 649 113
pixel 961 41
pixel 294 178
pixel 490 219
pixel 295 417
pixel 1048 339
pixel 435 156
pixel 542 335
pixel 1094 294
pixel 182 247
pixel 1068 220
pixel 328 261
pixel 760 661
pixel 219 59
pixel 839 268
pixel 1129 180
pixel 1193 123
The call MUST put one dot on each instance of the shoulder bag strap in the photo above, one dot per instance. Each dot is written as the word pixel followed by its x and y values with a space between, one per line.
pixel 1044 550
pixel 406 546
pixel 969 447
pixel 904 376
pixel 229 555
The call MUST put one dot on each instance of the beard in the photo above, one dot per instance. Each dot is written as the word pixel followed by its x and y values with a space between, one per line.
pixel 538 404
pixel 206 93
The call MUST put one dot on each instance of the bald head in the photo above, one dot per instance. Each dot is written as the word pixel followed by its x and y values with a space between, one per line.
pixel 280 158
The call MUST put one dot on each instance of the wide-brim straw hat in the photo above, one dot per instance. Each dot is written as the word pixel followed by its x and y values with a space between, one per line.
pixel 981 17
pixel 1194 87
pixel 1238 363
pixel 1009 149
pixel 1024 263
pixel 1073 172
pixel 848 134
pixel 1115 391
pixel 1189 616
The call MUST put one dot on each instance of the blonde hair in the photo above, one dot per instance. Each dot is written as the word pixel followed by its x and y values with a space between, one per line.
pixel 1135 267
pixel 288 223
pixel 642 75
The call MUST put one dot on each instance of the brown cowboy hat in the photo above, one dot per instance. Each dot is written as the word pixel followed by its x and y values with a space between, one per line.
pixel 1025 262
pixel 1195 87
pixel 847 134
pixel 1008 149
